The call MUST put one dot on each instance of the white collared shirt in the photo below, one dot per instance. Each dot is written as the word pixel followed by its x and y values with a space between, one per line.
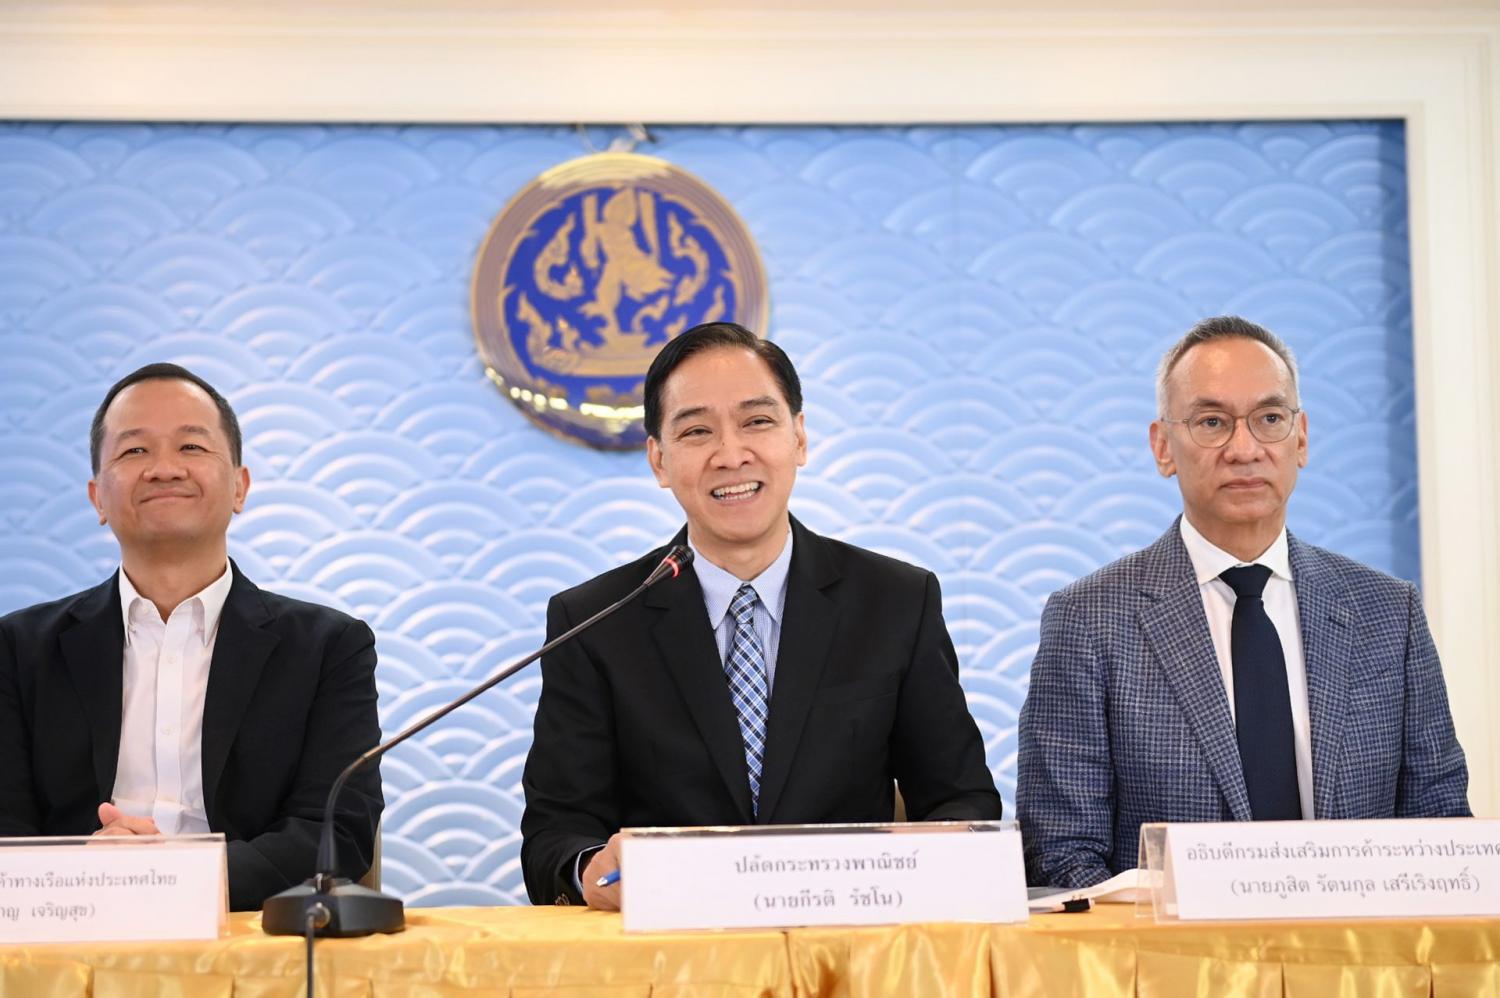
pixel 160 771
pixel 1280 598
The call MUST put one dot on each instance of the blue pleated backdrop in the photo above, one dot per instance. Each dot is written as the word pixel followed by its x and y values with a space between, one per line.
pixel 976 313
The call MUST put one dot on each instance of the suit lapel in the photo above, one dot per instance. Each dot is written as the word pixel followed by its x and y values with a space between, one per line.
pixel 240 652
pixel 93 651
pixel 807 627
pixel 1176 628
pixel 685 640
pixel 1327 642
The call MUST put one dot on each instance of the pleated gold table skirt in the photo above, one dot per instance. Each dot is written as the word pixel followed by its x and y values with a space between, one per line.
pixel 573 952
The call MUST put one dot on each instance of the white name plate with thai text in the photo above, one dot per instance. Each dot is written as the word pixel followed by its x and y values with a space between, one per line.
pixel 1331 869
pixel 779 876
pixel 111 888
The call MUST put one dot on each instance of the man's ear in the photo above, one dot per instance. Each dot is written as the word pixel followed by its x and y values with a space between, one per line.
pixel 655 459
pixel 1161 449
pixel 1301 432
pixel 801 430
pixel 241 487
pixel 94 500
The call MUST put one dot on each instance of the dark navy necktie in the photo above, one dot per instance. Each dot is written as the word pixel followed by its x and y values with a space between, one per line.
pixel 1262 705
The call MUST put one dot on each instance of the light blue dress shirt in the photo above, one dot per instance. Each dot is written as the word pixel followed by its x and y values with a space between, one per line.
pixel 719 588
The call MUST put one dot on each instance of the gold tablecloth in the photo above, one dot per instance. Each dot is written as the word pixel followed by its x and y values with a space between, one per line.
pixel 1110 952
pixel 524 952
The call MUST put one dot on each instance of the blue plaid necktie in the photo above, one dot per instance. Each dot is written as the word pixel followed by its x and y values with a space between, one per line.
pixel 1262 703
pixel 746 671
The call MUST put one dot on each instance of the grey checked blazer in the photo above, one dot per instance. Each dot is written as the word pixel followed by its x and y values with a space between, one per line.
pixel 1127 721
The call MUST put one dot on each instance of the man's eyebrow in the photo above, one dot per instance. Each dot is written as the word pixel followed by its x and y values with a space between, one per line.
pixel 136 431
pixel 1275 398
pixel 690 412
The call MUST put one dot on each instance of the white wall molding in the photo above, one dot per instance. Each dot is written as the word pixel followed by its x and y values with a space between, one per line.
pixel 392 61
pixel 395 62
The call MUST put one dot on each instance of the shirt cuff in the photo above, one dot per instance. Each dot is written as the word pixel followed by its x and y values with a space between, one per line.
pixel 581 861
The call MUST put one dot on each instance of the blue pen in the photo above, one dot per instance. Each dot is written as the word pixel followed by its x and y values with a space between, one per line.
pixel 612 877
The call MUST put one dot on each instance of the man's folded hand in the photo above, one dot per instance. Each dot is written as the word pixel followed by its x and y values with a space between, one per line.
pixel 113 821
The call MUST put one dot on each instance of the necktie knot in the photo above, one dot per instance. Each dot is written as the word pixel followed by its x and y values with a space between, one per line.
pixel 1247 580
pixel 742 607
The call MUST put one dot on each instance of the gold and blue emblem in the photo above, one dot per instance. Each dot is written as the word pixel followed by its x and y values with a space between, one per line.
pixel 588 271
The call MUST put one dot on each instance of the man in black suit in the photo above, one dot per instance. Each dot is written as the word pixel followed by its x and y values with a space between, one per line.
pixel 177 697
pixel 784 678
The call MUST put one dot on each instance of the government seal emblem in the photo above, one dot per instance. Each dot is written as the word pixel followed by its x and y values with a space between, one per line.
pixel 588 271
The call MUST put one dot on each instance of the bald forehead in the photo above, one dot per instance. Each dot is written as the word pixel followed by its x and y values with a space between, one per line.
pixel 156 390
pixel 1207 371
pixel 159 404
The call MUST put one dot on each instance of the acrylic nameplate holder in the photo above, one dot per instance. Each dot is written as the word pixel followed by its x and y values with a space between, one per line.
pixel 781 876
pixel 1411 868
pixel 113 888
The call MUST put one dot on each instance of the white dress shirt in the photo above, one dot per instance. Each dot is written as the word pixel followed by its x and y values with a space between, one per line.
pixel 1280 598
pixel 160 771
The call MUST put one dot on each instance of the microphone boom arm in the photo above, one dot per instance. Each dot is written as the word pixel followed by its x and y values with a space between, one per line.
pixel 675 561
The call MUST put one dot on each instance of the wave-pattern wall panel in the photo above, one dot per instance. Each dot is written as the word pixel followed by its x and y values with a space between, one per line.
pixel 976 312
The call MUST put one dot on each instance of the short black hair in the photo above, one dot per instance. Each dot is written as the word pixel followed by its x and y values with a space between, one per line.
pixel 713 336
pixel 164 372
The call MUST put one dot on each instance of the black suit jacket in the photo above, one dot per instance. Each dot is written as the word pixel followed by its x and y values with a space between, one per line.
pixel 290 702
pixel 635 725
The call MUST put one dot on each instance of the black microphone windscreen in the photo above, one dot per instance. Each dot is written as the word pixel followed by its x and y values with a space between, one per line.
pixel 671 565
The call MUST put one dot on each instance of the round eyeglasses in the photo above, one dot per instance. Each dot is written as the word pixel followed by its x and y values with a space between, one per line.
pixel 1270 424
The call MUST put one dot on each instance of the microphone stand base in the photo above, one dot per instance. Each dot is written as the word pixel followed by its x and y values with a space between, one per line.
pixel 353 910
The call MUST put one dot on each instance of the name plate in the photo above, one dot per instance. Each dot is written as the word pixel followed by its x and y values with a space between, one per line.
pixel 150 887
pixel 1326 869
pixel 781 876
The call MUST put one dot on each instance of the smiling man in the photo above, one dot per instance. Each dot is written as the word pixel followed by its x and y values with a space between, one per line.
pixel 176 697
pixel 1229 671
pixel 784 678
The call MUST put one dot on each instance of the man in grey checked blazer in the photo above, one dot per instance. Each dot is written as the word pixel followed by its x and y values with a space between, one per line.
pixel 1131 717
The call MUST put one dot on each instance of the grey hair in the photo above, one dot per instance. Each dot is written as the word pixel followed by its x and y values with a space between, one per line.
pixel 1221 327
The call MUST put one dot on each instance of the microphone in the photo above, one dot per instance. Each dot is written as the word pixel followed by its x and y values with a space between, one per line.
pixel 355 910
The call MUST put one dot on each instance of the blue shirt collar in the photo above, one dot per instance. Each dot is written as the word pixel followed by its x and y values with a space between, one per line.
pixel 720 586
